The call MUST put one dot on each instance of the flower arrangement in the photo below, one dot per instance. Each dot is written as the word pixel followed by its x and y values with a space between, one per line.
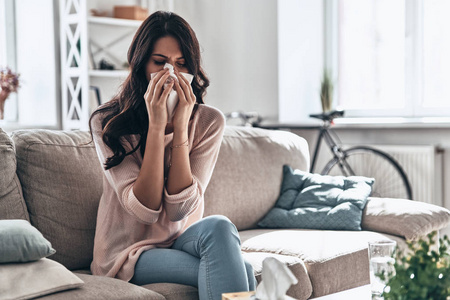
pixel 421 274
pixel 9 83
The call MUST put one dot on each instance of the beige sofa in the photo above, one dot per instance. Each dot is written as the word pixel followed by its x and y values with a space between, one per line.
pixel 58 182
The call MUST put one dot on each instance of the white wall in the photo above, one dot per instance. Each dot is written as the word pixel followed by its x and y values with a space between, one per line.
pixel 300 58
pixel 239 43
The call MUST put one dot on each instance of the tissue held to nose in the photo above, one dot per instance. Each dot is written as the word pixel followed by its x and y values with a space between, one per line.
pixel 172 99
pixel 172 75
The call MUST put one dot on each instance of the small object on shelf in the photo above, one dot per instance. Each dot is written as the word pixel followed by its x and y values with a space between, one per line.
pixel 98 13
pixel 104 65
pixel 133 12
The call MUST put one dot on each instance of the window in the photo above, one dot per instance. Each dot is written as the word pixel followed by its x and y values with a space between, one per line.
pixel 31 50
pixel 436 50
pixel 7 52
pixel 393 57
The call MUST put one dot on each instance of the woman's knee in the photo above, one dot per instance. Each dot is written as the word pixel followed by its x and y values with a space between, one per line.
pixel 219 223
pixel 220 226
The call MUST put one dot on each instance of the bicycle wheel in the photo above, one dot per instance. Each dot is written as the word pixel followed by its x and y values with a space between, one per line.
pixel 390 179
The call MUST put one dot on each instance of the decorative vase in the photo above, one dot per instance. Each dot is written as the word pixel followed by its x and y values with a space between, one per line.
pixel 3 96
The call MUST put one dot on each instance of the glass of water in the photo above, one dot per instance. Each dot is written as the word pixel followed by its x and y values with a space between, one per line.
pixel 381 255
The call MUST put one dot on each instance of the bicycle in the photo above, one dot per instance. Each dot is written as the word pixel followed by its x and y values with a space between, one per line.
pixel 390 178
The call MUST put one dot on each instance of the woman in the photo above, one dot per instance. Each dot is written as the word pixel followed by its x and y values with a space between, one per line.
pixel 149 224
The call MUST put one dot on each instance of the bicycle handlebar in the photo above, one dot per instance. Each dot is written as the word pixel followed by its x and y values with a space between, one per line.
pixel 328 116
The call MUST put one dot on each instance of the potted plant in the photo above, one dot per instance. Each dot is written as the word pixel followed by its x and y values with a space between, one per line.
pixel 422 273
pixel 9 83
pixel 326 92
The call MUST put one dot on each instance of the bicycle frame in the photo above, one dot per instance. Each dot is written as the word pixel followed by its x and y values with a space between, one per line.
pixel 334 148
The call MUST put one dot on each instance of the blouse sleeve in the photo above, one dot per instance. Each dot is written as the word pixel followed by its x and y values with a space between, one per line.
pixel 202 157
pixel 121 178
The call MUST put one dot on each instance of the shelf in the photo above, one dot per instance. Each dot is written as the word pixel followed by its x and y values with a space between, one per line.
pixel 114 21
pixel 109 73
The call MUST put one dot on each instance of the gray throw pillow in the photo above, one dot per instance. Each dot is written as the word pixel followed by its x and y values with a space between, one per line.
pixel 21 242
pixel 314 201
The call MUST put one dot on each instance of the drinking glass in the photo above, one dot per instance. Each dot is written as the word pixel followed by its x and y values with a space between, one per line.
pixel 381 255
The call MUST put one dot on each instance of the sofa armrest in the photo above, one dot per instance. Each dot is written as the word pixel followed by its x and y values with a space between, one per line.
pixel 405 218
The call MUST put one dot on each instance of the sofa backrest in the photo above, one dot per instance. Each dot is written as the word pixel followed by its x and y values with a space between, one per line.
pixel 62 185
pixel 62 182
pixel 247 177
pixel 12 204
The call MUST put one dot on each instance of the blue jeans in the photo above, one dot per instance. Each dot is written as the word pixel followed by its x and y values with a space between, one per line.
pixel 207 255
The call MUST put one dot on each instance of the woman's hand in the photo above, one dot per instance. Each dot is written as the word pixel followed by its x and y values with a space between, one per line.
pixel 156 98
pixel 186 102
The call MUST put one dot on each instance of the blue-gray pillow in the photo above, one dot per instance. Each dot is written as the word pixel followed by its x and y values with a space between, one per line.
pixel 21 242
pixel 314 201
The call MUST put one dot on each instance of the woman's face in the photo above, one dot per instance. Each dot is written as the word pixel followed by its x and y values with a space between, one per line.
pixel 166 50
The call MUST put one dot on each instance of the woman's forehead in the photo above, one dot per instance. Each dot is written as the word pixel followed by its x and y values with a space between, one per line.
pixel 168 46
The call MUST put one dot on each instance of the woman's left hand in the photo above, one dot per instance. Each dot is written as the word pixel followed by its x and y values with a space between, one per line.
pixel 186 102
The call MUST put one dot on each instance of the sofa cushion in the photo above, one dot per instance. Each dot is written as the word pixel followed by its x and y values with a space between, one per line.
pixel 314 201
pixel 302 290
pixel 247 177
pixel 174 291
pixel 34 279
pixel 405 218
pixel 105 288
pixel 12 205
pixel 21 242
pixel 62 185
pixel 170 291
pixel 335 260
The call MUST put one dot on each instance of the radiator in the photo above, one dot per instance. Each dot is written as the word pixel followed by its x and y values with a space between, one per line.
pixel 423 166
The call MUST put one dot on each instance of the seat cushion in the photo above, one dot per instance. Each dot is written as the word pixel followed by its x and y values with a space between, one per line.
pixel 302 290
pixel 335 260
pixel 170 291
pixel 105 288
pixel 173 291
pixel 247 177
pixel 62 184
pixel 12 205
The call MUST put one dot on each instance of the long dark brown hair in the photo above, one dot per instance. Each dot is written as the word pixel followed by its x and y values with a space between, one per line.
pixel 126 113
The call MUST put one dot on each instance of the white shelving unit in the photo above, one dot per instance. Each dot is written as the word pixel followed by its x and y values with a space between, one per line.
pixel 108 73
pixel 75 72
pixel 114 21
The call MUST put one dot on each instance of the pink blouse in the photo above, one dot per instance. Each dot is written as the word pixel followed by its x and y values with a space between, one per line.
pixel 125 227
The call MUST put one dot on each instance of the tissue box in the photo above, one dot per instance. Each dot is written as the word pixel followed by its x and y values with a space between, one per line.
pixel 238 296
pixel 130 12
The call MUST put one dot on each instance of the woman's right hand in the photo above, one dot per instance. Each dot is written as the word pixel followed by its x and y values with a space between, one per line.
pixel 156 98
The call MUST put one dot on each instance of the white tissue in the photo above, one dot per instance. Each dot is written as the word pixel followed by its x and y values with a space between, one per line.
pixel 276 280
pixel 172 99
